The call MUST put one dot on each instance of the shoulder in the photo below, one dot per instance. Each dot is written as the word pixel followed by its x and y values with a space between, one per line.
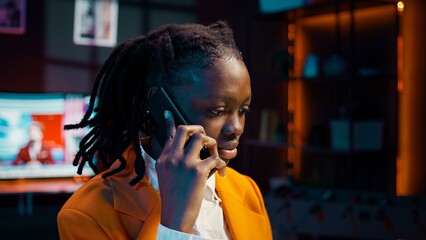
pixel 96 192
pixel 100 191
pixel 93 209
pixel 24 148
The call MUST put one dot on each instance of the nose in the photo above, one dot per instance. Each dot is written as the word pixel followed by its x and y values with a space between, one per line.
pixel 234 126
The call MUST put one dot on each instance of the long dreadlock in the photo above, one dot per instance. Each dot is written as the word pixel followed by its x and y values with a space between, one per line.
pixel 160 58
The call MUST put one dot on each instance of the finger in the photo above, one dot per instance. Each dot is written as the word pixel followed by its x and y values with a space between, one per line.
pixel 171 129
pixel 170 123
pixel 214 162
pixel 211 145
pixel 222 171
pixel 200 141
pixel 184 133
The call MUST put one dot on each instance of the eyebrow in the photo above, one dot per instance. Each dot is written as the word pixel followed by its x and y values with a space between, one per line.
pixel 228 99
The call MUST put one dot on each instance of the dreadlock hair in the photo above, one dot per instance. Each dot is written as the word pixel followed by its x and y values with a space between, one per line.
pixel 163 57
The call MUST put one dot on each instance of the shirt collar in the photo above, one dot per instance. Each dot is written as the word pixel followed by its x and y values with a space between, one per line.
pixel 150 173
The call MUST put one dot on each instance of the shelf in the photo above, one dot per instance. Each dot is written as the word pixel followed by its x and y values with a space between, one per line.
pixel 344 79
pixel 322 151
pixel 359 85
pixel 265 144
pixel 331 6
pixel 319 7
pixel 331 80
pixel 306 149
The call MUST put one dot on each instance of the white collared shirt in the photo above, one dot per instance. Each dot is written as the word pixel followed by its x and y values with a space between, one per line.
pixel 210 223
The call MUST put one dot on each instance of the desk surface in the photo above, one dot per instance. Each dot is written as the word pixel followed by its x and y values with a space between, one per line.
pixel 59 185
pixel 49 171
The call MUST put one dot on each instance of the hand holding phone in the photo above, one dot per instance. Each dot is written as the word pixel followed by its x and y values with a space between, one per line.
pixel 179 167
pixel 157 105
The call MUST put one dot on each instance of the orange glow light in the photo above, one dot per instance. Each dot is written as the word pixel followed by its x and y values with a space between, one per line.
pixel 399 177
pixel 291 36
pixel 400 6
pixel 400 64
pixel 290 49
pixel 400 86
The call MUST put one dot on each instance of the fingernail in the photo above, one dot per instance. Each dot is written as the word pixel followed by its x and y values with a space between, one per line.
pixel 167 114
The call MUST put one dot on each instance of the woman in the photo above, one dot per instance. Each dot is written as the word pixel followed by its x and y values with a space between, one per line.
pixel 152 191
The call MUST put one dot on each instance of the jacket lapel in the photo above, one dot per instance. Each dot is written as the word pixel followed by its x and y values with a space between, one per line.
pixel 241 208
pixel 141 201
pixel 137 201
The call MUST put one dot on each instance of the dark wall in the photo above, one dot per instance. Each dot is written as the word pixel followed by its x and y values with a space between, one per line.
pixel 45 59
pixel 239 14
pixel 20 66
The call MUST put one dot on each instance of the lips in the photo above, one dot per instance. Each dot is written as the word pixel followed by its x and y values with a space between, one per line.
pixel 228 150
pixel 228 153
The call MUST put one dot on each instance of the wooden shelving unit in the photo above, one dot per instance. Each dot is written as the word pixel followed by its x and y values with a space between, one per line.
pixel 351 81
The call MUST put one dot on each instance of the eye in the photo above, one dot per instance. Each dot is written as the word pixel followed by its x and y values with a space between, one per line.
pixel 217 111
pixel 242 111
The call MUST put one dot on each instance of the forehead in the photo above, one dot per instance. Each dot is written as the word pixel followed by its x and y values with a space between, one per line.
pixel 226 75
pixel 227 81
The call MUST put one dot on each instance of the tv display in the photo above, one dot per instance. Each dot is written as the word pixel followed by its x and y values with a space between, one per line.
pixel 20 156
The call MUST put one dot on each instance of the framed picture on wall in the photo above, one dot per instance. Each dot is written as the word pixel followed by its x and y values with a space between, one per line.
pixel 95 22
pixel 12 16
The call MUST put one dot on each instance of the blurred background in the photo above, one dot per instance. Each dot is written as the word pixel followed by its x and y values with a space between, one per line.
pixel 335 136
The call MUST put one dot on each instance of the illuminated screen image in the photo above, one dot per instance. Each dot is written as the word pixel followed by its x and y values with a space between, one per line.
pixel 33 143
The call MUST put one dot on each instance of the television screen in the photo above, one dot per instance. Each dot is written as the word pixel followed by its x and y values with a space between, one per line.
pixel 33 143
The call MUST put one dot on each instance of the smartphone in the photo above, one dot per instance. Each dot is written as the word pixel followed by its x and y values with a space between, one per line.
pixel 156 106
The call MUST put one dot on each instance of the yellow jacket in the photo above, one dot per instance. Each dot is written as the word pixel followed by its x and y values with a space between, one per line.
pixel 112 209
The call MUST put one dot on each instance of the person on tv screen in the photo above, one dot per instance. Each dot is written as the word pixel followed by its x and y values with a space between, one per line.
pixel 36 151
pixel 160 184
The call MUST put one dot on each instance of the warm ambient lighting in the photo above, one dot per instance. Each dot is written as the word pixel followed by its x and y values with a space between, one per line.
pixel 290 49
pixel 401 162
pixel 291 32
pixel 400 64
pixel 400 6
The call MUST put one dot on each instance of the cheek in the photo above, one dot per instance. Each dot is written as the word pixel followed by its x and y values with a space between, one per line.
pixel 243 122
pixel 213 128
